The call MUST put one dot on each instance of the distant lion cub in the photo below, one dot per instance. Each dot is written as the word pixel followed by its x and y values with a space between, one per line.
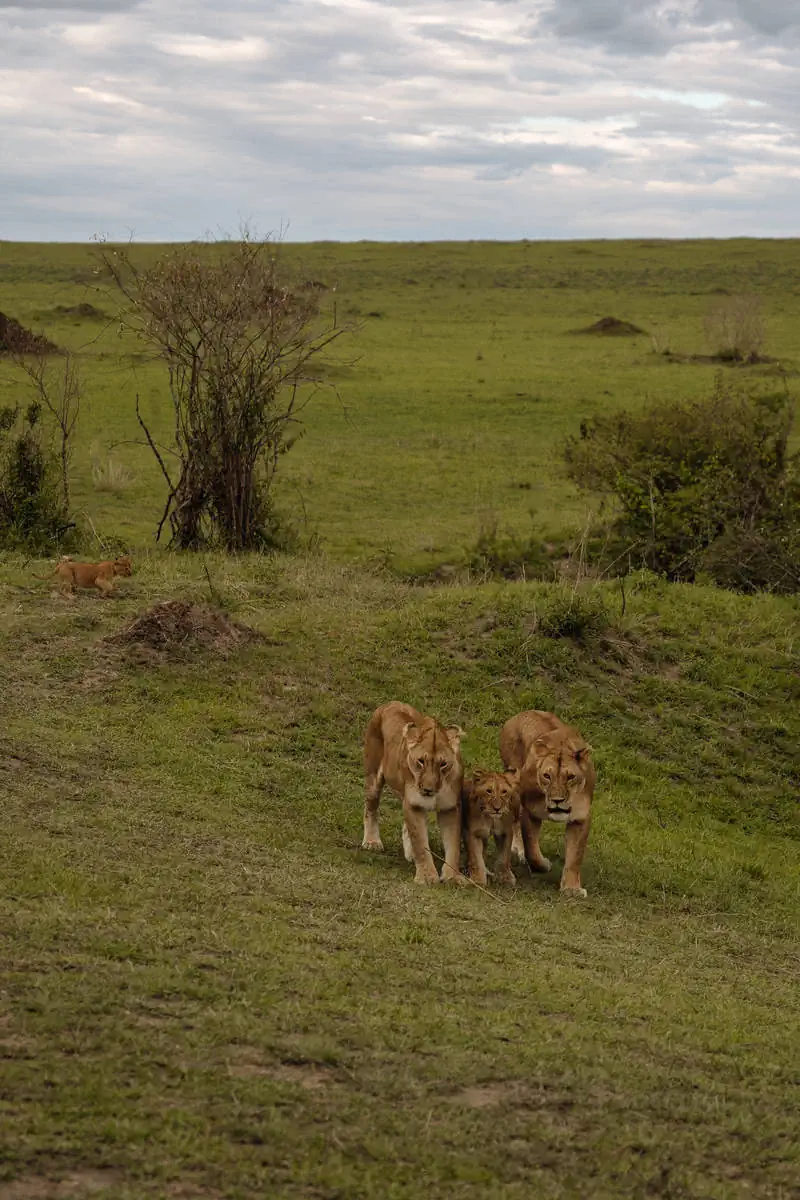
pixel 490 804
pixel 89 575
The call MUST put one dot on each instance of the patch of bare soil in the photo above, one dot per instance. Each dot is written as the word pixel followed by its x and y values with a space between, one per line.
pixel 16 339
pixel 247 1062
pixel 489 1095
pixel 77 1183
pixel 177 627
pixel 611 327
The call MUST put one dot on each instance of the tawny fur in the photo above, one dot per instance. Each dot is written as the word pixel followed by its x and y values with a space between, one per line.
pixel 557 780
pixel 420 760
pixel 490 804
pixel 101 576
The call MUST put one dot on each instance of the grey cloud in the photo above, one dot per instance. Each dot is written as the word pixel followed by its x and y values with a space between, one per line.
pixel 650 27
pixel 768 17
pixel 76 6
pixel 372 122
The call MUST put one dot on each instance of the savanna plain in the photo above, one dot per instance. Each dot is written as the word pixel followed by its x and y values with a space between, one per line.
pixel 206 988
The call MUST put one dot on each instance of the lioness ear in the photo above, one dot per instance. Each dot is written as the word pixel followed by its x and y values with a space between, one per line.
pixel 583 752
pixel 513 774
pixel 410 733
pixel 540 743
pixel 454 735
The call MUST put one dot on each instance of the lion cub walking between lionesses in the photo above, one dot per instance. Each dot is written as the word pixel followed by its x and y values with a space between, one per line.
pixel 490 805
pixel 421 761
pixel 557 778
pixel 73 575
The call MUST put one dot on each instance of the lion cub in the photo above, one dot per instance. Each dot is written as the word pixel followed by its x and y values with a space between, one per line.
pixel 89 575
pixel 490 803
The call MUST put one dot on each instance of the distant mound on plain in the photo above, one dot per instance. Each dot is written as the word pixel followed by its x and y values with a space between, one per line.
pixel 611 327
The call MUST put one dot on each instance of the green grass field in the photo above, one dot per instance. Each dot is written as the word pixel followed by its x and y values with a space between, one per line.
pixel 466 384
pixel 206 988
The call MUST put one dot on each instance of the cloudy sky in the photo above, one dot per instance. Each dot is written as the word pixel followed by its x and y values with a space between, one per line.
pixel 398 119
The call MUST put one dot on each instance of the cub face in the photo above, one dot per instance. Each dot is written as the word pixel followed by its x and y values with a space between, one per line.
pixel 123 566
pixel 432 756
pixel 495 794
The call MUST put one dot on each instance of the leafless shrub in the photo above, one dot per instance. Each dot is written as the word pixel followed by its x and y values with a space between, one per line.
pixel 111 475
pixel 660 339
pixel 735 328
pixel 57 389
pixel 240 345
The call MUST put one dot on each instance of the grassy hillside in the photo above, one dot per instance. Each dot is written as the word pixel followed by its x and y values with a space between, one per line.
pixel 467 380
pixel 209 990
pixel 206 988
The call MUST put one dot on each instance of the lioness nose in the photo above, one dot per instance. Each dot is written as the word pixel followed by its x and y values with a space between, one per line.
pixel 427 791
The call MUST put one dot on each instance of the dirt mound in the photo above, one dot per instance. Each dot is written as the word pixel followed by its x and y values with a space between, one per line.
pixel 16 339
pixel 180 626
pixel 84 309
pixel 612 327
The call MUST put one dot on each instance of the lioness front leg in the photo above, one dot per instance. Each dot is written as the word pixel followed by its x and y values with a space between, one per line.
pixel 450 828
pixel 576 836
pixel 476 863
pixel 104 586
pixel 417 825
pixel 531 828
pixel 372 799
pixel 502 867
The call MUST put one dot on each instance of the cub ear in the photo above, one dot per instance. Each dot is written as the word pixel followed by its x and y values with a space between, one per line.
pixel 454 735
pixel 540 743
pixel 513 775
pixel 478 774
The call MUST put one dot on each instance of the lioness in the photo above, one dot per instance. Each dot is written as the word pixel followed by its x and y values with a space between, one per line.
pixel 490 804
pixel 89 575
pixel 557 779
pixel 421 761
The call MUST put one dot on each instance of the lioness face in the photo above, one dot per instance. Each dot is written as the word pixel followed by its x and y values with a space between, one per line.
pixel 123 566
pixel 561 774
pixel 495 792
pixel 432 756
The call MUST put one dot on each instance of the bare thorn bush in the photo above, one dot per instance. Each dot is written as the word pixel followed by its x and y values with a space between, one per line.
pixel 660 339
pixel 735 328
pixel 111 475
pixel 243 349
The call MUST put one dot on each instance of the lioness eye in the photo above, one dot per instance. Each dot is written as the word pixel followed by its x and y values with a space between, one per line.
pixel 444 766
pixel 420 762
pixel 546 775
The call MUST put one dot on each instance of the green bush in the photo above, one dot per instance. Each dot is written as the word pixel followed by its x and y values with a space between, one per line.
pixel 502 555
pixel 32 511
pixel 569 613
pixel 699 486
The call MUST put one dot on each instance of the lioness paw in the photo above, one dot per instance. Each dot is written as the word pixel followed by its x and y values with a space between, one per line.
pixel 424 879
pixel 574 893
pixel 505 877
pixel 541 865
pixel 372 844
